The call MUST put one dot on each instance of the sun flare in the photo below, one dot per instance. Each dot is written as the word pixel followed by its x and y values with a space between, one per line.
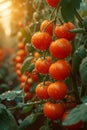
pixel 5 12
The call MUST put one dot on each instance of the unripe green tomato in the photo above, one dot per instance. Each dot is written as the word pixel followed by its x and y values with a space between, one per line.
pixel 36 16
pixel 38 5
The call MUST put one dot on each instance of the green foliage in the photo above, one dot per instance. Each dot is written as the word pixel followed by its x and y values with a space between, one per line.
pixel 68 9
pixel 32 89
pixel 26 64
pixel 2 73
pixel 83 9
pixel 44 127
pixel 78 55
pixel 84 99
pixel 10 95
pixel 26 34
pixel 4 86
pixel 27 109
pixel 83 71
pixel 7 121
pixel 29 120
pixel 76 114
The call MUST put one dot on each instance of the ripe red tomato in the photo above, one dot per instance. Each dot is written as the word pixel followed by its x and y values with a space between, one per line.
pixel 57 90
pixel 20 24
pixel 42 65
pixel 62 31
pixel 19 59
pixel 28 95
pixel 41 40
pixel 53 110
pixel 70 102
pixel 36 55
pixel 34 75
pixel 2 54
pixel 18 66
pixel 60 69
pixel 41 90
pixel 47 26
pixel 21 45
pixel 61 48
pixel 21 53
pixel 22 85
pixel 18 72
pixel 76 126
pixel 53 3
pixel 27 87
pixel 22 78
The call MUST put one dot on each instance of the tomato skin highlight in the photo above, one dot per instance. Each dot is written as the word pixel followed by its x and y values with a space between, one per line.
pixel 53 3
pixel 60 48
pixel 41 40
pixel 63 31
pixel 53 110
pixel 57 90
pixel 60 70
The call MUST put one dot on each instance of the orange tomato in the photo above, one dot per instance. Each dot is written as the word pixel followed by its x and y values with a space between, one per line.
pixel 57 90
pixel 47 26
pixel 41 40
pixel 60 70
pixel 61 48
pixel 53 111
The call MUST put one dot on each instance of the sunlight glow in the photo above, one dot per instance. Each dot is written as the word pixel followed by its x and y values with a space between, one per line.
pixel 5 14
pixel 5 5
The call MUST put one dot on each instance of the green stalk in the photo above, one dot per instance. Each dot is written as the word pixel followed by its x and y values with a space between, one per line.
pixel 78 17
pixel 75 89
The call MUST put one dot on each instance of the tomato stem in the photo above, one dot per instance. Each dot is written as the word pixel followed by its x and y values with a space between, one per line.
pixel 44 79
pixel 82 93
pixel 78 17
pixel 75 89
pixel 28 104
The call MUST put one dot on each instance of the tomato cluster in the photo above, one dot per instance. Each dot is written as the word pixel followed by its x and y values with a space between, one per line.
pixel 54 64
pixel 53 46
pixel 27 79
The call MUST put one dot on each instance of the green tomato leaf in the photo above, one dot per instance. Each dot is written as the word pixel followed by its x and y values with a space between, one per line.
pixel 44 127
pixel 83 71
pixel 76 114
pixel 78 55
pixel 68 9
pixel 84 99
pixel 4 86
pixel 32 88
pixel 10 95
pixel 29 120
pixel 26 64
pixel 27 109
pixel 7 121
